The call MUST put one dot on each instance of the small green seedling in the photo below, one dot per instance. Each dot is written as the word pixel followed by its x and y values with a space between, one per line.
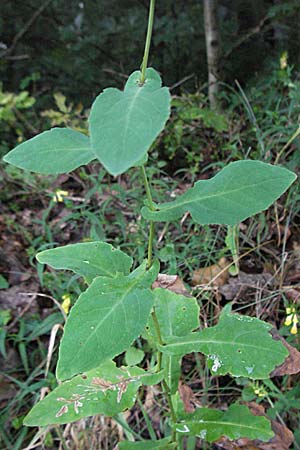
pixel 120 304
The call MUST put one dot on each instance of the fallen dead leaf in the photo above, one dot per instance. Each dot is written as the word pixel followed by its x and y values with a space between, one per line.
pixel 187 397
pixel 245 282
pixel 282 440
pixel 172 283
pixel 151 406
pixel 7 390
pixel 215 275
pixel 291 364
pixel 13 299
pixel 293 295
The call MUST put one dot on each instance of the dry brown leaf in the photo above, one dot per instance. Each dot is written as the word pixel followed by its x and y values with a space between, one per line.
pixel 291 364
pixel 215 275
pixel 282 440
pixel 187 397
pixel 244 284
pixel 151 406
pixel 7 390
pixel 172 283
pixel 293 295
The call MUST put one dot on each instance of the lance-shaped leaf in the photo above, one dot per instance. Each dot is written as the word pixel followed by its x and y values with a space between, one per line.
pixel 237 422
pixel 239 345
pixel 177 315
pixel 105 390
pixel 88 259
pixel 55 151
pixel 162 444
pixel 123 125
pixel 238 191
pixel 104 322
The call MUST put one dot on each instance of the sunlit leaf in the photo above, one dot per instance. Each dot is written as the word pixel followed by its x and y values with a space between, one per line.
pixel 105 320
pixel 55 151
pixel 123 125
pixel 104 390
pixel 239 345
pixel 177 315
pixel 162 444
pixel 236 422
pixel 238 191
pixel 134 356
pixel 88 259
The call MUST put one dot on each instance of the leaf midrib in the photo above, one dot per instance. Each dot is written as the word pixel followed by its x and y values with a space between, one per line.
pixel 177 344
pixel 86 265
pixel 116 305
pixel 206 197
pixel 64 148
pixel 221 422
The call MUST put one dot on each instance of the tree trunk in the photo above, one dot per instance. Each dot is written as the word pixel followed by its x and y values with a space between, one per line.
pixel 212 37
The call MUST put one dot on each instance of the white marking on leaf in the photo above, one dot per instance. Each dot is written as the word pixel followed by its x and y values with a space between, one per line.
pixel 217 363
pixel 250 369
pixel 185 429
pixel 63 410
pixel 203 434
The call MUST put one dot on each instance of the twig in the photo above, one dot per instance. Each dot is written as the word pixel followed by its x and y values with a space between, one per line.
pixel 24 30
pixel 51 298
pixel 17 57
pixel 23 119
pixel 257 29
pixel 180 82
pixel 16 319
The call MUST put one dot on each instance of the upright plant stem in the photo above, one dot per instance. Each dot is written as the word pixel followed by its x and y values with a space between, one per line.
pixel 165 386
pixel 148 40
pixel 158 334
pixel 152 207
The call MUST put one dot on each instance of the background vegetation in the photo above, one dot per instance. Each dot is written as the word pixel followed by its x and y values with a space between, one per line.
pixel 54 58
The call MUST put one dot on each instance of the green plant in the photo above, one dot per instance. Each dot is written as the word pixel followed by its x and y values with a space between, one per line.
pixel 12 116
pixel 120 304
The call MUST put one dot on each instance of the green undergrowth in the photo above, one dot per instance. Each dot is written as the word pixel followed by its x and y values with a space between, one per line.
pixel 88 205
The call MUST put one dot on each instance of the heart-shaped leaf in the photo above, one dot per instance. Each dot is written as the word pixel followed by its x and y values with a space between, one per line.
pixel 104 322
pixel 88 259
pixel 123 125
pixel 104 390
pixel 237 422
pixel 238 191
pixel 239 345
pixel 55 151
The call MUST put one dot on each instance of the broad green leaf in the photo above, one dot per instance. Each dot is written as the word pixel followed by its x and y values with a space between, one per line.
pixel 134 356
pixel 3 282
pixel 237 422
pixel 146 277
pixel 104 390
pixel 123 125
pixel 104 322
pixel 239 345
pixel 238 191
pixel 88 259
pixel 177 315
pixel 55 151
pixel 162 444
